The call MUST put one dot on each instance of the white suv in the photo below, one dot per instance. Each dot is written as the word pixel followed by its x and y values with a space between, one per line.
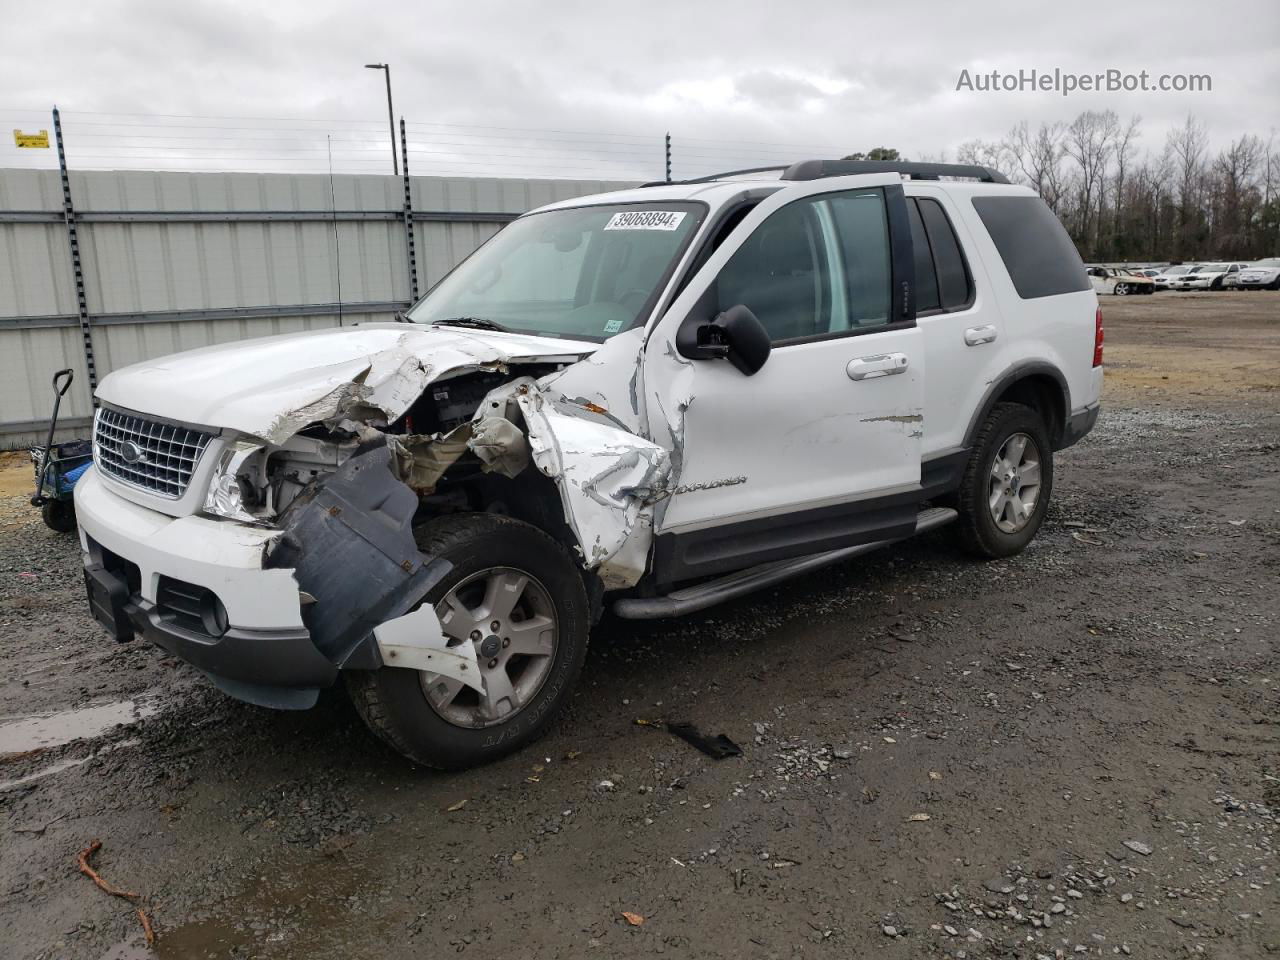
pixel 655 399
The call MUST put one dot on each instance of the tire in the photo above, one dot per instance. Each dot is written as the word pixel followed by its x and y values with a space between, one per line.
pixel 1215 284
pixel 393 701
pixel 1121 289
pixel 59 515
pixel 979 532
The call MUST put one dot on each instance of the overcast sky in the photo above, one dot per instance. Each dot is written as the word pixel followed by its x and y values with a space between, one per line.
pixel 817 74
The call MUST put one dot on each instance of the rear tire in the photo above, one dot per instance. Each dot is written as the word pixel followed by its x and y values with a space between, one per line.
pixel 992 522
pixel 455 730
pixel 1122 289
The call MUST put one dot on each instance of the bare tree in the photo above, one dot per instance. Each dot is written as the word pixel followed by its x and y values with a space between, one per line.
pixel 1038 157
pixel 1089 141
pixel 1187 146
pixel 1236 171
pixel 1123 150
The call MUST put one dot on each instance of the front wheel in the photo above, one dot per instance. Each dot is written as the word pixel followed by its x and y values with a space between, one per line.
pixel 1121 289
pixel 1007 482
pixel 517 597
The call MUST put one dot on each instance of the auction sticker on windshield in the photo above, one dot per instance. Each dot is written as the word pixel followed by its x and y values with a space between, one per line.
pixel 646 220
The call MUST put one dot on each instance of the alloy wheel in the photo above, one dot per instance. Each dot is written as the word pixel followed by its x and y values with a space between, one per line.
pixel 1015 483
pixel 508 617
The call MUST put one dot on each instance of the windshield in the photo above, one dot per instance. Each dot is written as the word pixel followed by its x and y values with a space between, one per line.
pixel 1176 271
pixel 583 273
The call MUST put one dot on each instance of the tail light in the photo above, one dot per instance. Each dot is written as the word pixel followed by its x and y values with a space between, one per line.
pixel 1097 338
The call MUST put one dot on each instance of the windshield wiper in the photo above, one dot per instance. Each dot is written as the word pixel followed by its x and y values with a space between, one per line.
pixel 476 323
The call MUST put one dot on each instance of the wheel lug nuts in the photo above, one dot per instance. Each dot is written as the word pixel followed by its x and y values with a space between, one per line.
pixel 496 625
pixel 506 642
pixel 493 663
pixel 475 634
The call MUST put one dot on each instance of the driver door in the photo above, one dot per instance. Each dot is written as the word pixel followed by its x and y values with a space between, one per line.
pixel 821 447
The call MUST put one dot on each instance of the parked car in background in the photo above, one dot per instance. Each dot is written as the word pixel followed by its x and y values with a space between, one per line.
pixel 1165 277
pixel 1207 276
pixel 1119 282
pixel 1263 275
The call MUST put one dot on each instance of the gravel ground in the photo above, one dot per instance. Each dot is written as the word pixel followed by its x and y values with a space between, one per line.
pixel 1072 752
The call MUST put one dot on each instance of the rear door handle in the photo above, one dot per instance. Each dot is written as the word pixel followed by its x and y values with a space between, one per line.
pixel 976 335
pixel 881 365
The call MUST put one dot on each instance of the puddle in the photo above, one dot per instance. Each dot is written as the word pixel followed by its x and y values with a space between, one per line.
pixel 289 913
pixel 47 730
pixel 63 765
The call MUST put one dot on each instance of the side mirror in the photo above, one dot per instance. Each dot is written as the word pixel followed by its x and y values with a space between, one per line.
pixel 736 335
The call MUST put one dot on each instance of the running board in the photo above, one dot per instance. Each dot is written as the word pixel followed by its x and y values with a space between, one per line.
pixel 708 594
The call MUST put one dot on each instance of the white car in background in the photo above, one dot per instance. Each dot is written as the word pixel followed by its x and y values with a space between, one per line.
pixel 1164 279
pixel 1263 275
pixel 1207 276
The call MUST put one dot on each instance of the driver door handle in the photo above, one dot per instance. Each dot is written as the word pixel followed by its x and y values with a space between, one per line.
pixel 880 365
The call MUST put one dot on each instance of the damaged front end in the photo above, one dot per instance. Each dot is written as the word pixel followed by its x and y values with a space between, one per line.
pixel 348 489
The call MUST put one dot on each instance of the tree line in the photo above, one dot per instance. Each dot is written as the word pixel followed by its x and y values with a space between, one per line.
pixel 1121 202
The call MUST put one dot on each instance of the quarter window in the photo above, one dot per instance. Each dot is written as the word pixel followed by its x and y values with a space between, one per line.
pixel 818 267
pixel 1036 250
pixel 943 281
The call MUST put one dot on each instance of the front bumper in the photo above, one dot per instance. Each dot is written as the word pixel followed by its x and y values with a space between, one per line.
pixel 257 649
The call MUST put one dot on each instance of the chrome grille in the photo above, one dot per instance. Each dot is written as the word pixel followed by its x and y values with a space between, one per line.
pixel 157 457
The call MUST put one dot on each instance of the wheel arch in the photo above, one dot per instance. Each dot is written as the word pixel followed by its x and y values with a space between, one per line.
pixel 1035 384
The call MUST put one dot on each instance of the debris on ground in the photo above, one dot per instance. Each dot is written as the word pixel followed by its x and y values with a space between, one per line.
pixel 718 747
pixel 83 859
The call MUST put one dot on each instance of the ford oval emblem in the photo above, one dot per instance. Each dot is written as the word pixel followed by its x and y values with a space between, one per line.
pixel 130 452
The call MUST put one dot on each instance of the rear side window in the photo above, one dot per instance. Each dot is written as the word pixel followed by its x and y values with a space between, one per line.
pixel 943 281
pixel 926 276
pixel 1040 257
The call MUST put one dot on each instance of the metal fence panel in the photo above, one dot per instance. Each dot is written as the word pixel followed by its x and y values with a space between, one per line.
pixel 175 261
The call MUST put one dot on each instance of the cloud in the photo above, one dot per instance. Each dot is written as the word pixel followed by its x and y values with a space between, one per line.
pixel 739 81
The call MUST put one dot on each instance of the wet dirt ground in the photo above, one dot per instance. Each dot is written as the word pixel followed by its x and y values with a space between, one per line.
pixel 1072 752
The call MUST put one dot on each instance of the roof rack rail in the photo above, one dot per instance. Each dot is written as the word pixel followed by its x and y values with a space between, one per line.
pixel 716 176
pixel 818 169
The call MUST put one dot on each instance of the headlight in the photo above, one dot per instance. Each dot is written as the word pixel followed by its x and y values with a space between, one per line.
pixel 235 482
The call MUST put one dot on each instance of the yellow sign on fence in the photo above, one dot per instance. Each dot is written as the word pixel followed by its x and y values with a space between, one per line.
pixel 40 139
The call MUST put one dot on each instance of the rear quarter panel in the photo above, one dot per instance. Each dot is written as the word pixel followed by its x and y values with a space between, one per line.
pixel 1056 330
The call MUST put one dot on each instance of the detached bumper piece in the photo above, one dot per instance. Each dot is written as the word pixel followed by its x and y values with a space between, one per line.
pixel 349 542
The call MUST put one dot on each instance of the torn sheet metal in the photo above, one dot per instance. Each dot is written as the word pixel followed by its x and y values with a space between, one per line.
pixel 500 445
pixel 608 480
pixel 421 460
pixel 350 544
pixel 416 641
pixel 273 387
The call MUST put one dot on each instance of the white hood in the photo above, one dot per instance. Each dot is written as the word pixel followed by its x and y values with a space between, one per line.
pixel 274 386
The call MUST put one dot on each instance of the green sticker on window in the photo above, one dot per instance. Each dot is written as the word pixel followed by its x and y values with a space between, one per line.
pixel 613 326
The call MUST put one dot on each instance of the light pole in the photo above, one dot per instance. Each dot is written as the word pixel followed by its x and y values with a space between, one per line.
pixel 391 114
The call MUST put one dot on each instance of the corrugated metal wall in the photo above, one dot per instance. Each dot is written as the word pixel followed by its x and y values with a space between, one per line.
pixel 173 261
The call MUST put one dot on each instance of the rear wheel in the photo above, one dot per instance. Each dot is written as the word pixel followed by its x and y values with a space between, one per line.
pixel 1006 486
pixel 1121 289
pixel 516 596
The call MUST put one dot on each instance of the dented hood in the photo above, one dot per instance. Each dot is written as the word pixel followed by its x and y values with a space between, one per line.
pixel 273 386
